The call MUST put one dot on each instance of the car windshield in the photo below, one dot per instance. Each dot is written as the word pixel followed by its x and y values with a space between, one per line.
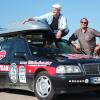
pixel 42 46
pixel 52 49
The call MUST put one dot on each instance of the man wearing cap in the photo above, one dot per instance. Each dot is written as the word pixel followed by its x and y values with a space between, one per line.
pixel 55 20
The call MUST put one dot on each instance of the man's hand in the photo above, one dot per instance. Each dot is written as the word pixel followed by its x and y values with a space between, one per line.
pixel 97 49
pixel 77 46
pixel 58 35
pixel 28 20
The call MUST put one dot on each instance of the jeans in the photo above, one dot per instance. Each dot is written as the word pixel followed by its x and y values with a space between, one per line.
pixel 64 32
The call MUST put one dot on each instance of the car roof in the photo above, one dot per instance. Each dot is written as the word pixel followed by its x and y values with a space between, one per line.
pixel 19 27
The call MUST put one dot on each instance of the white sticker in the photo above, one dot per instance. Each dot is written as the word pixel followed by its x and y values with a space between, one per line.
pixel 40 63
pixel 22 74
pixel 4 67
pixel 13 73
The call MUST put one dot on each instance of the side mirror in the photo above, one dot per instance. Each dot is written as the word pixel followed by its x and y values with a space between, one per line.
pixel 20 55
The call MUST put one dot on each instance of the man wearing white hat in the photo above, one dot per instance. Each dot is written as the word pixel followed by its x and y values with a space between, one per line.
pixel 56 20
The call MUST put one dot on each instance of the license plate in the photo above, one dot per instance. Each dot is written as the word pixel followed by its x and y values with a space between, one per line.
pixel 95 80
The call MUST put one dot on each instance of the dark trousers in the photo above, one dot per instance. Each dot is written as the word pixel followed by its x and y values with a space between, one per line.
pixel 64 32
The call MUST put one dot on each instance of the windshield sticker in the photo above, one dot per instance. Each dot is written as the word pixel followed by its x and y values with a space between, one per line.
pixel 77 56
pixel 4 67
pixel 13 73
pixel 39 63
pixel 22 74
pixel 2 54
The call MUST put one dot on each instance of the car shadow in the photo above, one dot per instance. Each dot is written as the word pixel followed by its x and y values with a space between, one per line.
pixel 19 92
pixel 84 96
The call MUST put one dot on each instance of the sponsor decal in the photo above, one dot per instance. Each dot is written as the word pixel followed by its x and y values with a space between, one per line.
pixel 23 62
pixel 22 74
pixel 2 54
pixel 13 73
pixel 77 56
pixel 4 67
pixel 39 63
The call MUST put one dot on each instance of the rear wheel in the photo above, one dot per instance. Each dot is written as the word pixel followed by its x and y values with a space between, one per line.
pixel 43 87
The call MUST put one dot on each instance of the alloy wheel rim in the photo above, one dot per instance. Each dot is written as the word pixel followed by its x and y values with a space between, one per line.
pixel 43 86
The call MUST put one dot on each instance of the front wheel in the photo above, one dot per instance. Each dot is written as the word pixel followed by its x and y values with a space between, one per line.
pixel 43 88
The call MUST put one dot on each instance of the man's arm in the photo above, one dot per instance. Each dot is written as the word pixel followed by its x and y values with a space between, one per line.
pixel 42 17
pixel 96 33
pixel 97 49
pixel 72 40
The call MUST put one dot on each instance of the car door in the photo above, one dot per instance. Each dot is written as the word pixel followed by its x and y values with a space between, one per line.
pixel 18 62
pixel 5 48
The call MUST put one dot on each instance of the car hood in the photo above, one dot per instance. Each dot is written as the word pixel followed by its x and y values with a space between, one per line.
pixel 76 58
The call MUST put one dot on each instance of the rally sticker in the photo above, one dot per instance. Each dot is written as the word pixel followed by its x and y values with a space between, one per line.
pixel 22 74
pixel 2 54
pixel 13 73
pixel 77 56
pixel 4 67
pixel 39 63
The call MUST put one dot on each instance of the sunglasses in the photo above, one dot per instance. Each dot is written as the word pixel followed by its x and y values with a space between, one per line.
pixel 84 22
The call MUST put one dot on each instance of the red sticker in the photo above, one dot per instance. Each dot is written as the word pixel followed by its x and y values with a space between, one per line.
pixel 2 54
pixel 77 56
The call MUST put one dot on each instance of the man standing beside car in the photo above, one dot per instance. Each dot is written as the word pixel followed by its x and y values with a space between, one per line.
pixel 55 20
pixel 86 37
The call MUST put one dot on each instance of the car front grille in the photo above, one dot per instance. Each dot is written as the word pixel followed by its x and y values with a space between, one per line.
pixel 92 69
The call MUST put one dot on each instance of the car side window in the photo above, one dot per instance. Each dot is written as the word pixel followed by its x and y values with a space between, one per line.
pixel 20 49
pixel 19 46
pixel 5 48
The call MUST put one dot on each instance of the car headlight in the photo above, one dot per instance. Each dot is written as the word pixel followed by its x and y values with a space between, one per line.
pixel 68 69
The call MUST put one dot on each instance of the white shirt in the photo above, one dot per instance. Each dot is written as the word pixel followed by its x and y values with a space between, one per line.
pixel 62 22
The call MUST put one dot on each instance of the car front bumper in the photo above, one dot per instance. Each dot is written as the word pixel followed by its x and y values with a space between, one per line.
pixel 75 83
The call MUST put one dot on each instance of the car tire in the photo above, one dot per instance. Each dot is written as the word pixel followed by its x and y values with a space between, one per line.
pixel 43 88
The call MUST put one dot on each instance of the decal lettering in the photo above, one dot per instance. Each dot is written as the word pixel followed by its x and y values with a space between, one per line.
pixel 4 67
pixel 23 62
pixel 39 63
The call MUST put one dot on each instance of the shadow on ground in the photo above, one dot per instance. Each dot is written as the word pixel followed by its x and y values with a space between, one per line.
pixel 85 96
pixel 19 92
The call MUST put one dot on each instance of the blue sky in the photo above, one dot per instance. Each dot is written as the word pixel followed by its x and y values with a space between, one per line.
pixel 12 11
